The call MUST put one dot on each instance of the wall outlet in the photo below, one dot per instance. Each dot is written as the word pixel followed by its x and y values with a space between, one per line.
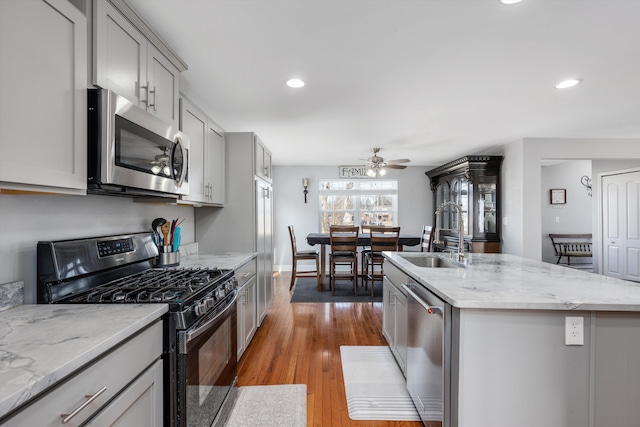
pixel 574 330
pixel 557 219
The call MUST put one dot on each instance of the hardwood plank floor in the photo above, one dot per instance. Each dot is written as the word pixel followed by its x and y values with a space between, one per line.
pixel 300 344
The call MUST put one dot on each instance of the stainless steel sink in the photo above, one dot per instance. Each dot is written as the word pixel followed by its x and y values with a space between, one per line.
pixel 429 261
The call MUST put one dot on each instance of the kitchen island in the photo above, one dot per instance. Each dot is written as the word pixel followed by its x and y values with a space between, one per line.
pixel 505 360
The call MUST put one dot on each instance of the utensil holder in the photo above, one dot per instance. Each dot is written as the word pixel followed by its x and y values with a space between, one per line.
pixel 167 258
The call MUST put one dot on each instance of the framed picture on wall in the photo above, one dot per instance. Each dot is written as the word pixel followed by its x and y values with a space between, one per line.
pixel 558 196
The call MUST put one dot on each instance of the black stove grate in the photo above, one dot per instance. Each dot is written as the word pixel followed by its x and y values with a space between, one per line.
pixel 151 286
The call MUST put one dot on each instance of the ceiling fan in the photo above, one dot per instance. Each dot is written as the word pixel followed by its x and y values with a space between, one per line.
pixel 376 165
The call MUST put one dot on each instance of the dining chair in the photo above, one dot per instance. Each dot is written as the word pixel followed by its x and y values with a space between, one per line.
pixel 426 239
pixel 344 252
pixel 382 239
pixel 300 256
pixel 364 230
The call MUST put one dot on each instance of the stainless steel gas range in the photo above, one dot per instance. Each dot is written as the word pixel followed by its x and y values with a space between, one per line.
pixel 200 340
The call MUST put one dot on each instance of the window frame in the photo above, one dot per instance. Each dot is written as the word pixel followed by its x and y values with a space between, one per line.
pixel 389 188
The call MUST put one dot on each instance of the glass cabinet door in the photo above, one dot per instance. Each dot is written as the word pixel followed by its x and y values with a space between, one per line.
pixel 460 196
pixel 442 195
pixel 486 206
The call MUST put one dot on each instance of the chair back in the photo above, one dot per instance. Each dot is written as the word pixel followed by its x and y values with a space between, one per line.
pixel 292 237
pixel 427 238
pixel 384 238
pixel 343 238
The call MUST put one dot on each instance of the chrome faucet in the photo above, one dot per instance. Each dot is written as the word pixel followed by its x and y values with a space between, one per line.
pixel 436 238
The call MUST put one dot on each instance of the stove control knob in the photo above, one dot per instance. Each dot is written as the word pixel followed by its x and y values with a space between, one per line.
pixel 211 301
pixel 201 308
pixel 220 293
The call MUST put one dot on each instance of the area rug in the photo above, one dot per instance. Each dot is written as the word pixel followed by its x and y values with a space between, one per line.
pixel 306 290
pixel 270 406
pixel 375 387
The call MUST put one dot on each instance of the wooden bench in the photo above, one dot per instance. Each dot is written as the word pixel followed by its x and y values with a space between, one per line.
pixel 571 245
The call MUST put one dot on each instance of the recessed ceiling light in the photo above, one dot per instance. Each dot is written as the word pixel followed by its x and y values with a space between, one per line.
pixel 295 83
pixel 567 83
pixel 510 1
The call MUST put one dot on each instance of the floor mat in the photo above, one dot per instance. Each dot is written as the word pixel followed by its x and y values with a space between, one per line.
pixel 270 405
pixel 375 387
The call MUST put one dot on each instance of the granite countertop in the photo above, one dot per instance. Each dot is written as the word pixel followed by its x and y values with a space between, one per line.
pixel 501 281
pixel 42 344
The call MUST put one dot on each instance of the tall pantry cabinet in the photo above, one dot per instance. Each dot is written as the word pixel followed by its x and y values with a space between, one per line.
pixel 245 224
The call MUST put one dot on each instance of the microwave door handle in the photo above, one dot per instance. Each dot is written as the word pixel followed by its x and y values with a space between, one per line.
pixel 183 174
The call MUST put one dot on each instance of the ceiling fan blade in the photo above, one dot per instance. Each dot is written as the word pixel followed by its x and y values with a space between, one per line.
pixel 399 161
pixel 388 166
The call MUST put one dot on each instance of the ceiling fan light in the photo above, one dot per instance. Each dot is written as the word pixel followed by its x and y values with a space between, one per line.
pixel 382 172
pixel 371 172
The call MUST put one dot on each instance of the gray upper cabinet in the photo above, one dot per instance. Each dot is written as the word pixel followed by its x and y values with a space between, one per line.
pixel 206 156
pixel 127 62
pixel 43 118
pixel 263 160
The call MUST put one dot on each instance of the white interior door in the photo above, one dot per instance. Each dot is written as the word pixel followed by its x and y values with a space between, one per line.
pixel 621 225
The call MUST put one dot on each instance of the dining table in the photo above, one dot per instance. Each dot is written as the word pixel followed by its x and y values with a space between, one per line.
pixel 364 240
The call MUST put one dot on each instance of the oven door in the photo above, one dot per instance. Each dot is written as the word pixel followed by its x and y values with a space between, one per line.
pixel 207 365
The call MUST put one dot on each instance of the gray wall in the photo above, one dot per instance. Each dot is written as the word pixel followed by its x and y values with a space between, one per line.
pixel 414 204
pixel 26 219
pixel 574 216
pixel 521 175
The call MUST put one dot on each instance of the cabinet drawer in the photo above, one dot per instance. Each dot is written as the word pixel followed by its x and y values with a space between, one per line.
pixel 103 378
pixel 245 272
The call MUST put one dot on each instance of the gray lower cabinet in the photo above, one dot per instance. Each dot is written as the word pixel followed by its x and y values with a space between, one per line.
pixel 124 387
pixel 394 320
pixel 247 304
pixel 43 117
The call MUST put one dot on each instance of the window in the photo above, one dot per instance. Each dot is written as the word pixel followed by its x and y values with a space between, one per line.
pixel 367 202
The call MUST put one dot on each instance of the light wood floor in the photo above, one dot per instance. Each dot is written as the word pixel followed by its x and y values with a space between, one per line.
pixel 300 344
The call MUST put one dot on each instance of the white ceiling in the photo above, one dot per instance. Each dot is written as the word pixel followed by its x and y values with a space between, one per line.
pixel 428 80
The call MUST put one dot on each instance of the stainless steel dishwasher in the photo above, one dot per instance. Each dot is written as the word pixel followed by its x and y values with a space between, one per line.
pixel 428 354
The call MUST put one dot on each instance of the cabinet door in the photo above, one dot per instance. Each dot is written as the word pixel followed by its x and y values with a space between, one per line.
pixel 215 153
pixel 43 107
pixel 249 320
pixel 162 86
pixel 194 124
pixel 388 312
pixel 140 404
pixel 401 330
pixel 263 160
pixel 264 241
pixel 120 54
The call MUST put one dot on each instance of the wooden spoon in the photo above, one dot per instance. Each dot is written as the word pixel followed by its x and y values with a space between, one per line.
pixel 166 228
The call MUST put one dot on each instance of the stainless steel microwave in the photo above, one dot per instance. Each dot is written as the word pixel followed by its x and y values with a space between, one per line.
pixel 132 152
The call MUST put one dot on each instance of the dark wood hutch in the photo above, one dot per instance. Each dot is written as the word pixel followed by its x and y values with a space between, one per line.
pixel 473 183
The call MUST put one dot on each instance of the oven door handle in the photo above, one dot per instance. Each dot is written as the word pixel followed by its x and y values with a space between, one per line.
pixel 191 335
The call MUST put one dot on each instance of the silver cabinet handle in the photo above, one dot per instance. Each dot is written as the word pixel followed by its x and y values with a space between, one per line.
pixel 153 91
pixel 246 274
pixel 90 398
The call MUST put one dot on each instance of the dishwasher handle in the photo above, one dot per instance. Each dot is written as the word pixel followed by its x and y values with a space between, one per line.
pixel 431 309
